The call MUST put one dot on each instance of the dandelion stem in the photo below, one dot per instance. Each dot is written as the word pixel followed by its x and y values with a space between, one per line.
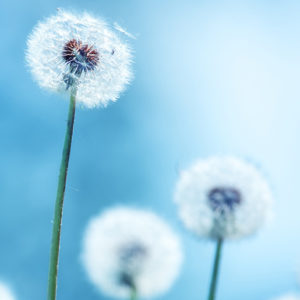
pixel 214 278
pixel 53 268
pixel 133 294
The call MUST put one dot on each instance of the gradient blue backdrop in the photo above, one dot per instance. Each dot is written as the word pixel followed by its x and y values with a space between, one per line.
pixel 211 77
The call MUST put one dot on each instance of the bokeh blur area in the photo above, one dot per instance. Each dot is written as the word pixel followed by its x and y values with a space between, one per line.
pixel 211 77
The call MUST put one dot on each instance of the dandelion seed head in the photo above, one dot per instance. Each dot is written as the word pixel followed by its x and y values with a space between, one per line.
pixel 78 50
pixel 5 293
pixel 128 248
pixel 223 197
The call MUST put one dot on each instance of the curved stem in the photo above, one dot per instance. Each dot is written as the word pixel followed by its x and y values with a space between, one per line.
pixel 214 278
pixel 53 268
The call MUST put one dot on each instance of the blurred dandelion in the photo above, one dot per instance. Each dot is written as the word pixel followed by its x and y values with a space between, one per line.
pixel 222 198
pixel 5 293
pixel 131 253
pixel 78 55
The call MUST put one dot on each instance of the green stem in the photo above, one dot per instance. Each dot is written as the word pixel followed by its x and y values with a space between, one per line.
pixel 214 278
pixel 133 294
pixel 53 268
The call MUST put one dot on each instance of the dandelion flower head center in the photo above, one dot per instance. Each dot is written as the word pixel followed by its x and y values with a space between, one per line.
pixel 80 58
pixel 131 256
pixel 224 199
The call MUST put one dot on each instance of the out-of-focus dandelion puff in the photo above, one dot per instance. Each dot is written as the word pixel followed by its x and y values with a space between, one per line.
pixel 77 50
pixel 5 293
pixel 289 297
pixel 223 197
pixel 125 249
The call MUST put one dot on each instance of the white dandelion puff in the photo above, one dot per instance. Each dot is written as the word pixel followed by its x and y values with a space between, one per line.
pixel 5 293
pixel 223 197
pixel 126 249
pixel 68 50
pixel 289 297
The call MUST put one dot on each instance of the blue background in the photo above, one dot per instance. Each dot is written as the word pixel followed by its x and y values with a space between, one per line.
pixel 211 77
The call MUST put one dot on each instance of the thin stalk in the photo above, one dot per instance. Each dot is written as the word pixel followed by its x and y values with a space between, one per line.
pixel 215 273
pixel 133 294
pixel 56 231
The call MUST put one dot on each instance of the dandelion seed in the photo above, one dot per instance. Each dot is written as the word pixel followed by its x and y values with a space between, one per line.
pixel 223 198
pixel 69 50
pixel 122 30
pixel 127 249
pixel 5 293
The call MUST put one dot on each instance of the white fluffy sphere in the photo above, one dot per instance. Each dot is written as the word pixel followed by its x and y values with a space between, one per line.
pixel 97 59
pixel 126 246
pixel 222 197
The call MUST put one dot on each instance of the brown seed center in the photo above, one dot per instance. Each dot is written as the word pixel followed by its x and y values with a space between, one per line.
pixel 80 57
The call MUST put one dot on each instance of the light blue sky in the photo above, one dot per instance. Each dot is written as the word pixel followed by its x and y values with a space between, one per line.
pixel 211 77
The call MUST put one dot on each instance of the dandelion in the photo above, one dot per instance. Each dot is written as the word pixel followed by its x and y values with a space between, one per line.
pixel 5 293
pixel 79 52
pixel 130 253
pixel 81 56
pixel 222 198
